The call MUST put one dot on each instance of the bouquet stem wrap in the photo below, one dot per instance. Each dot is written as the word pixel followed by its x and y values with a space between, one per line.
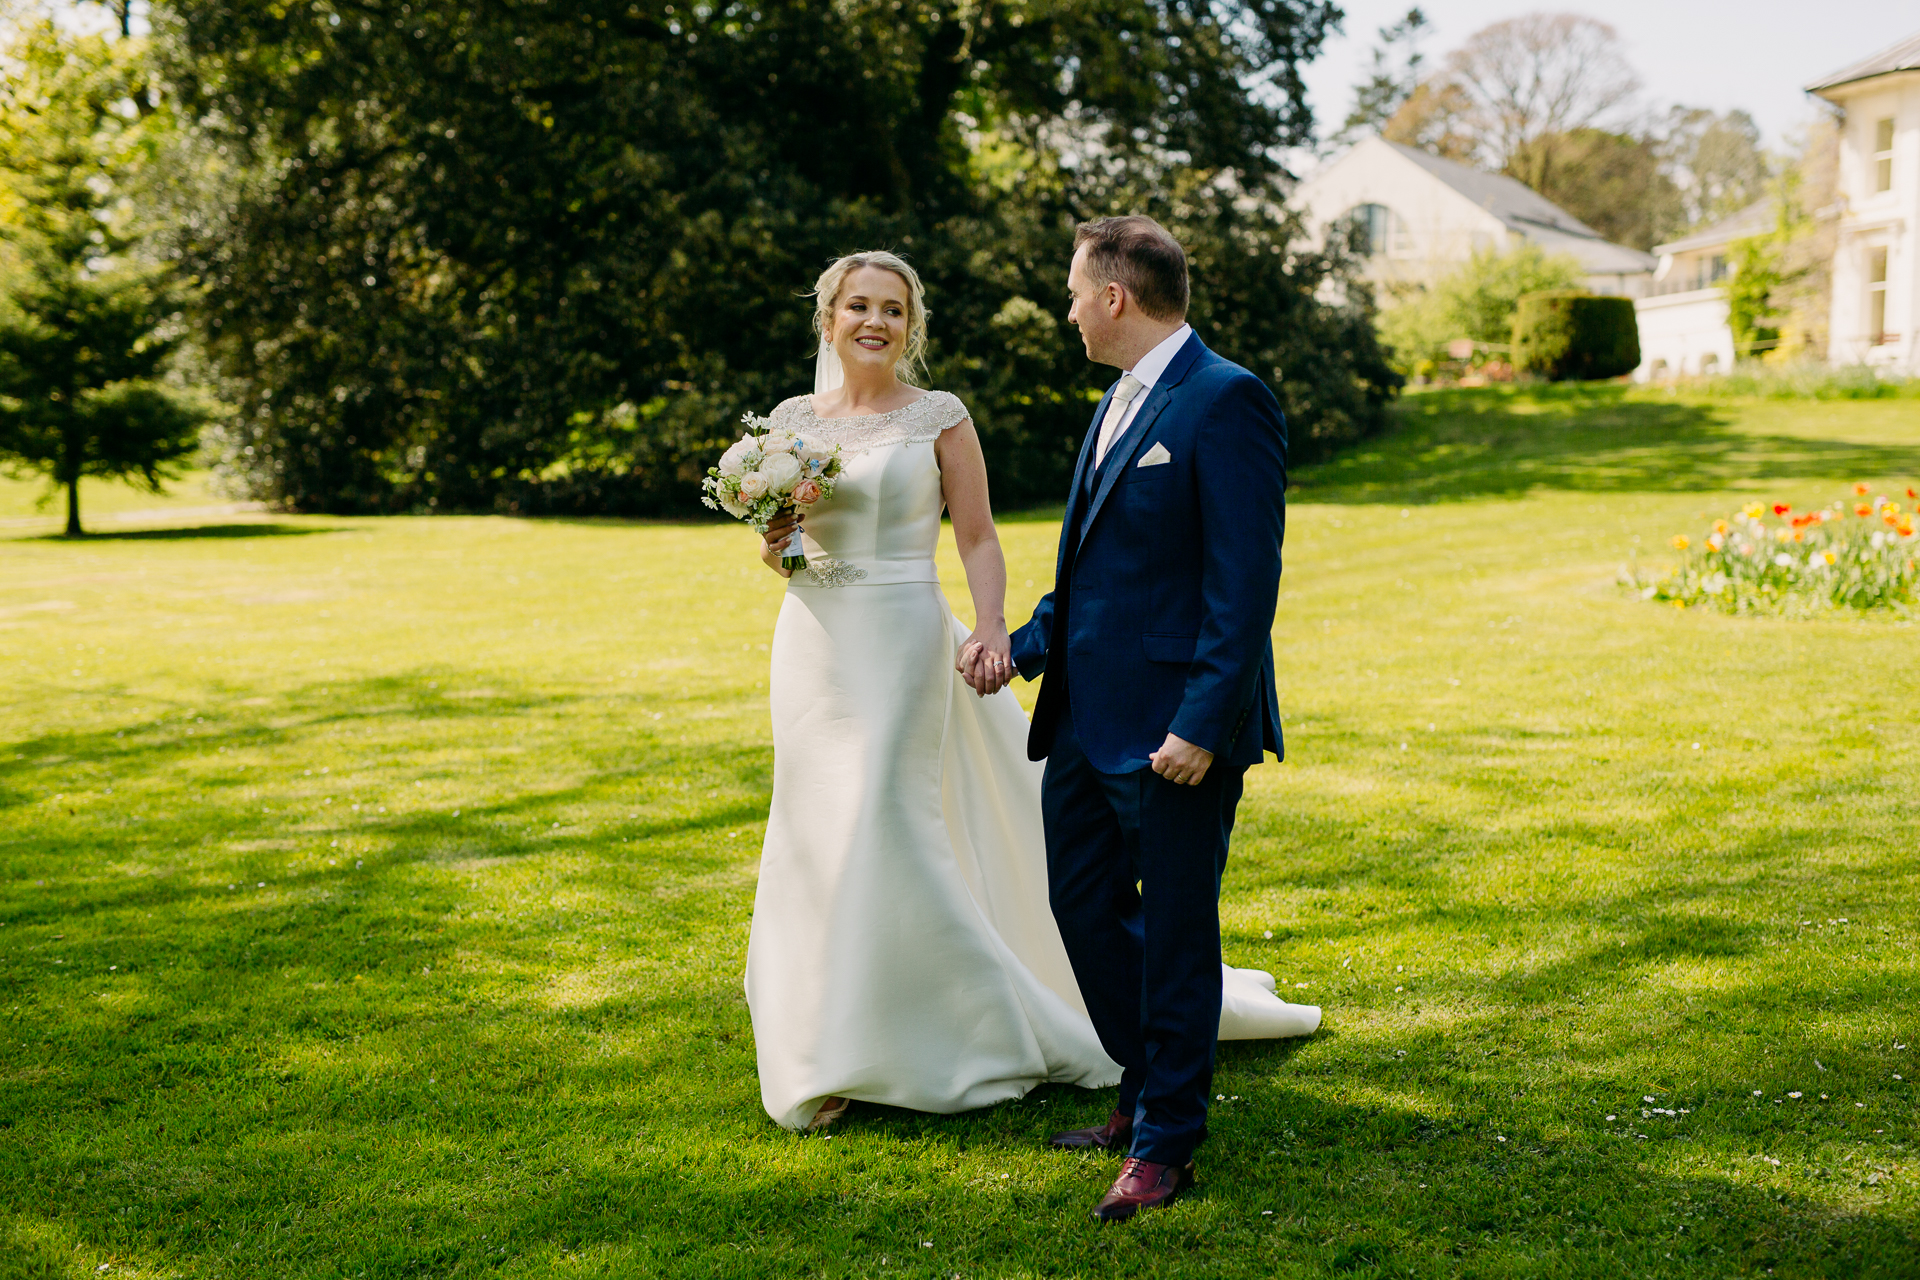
pixel 794 559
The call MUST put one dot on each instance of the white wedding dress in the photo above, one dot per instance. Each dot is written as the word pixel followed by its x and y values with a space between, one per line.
pixel 903 951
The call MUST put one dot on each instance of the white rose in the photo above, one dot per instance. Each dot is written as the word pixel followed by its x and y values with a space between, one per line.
pixel 732 508
pixel 812 449
pixel 782 471
pixel 777 442
pixel 737 459
pixel 753 486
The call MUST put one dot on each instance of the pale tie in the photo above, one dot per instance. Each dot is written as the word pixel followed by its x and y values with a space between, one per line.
pixel 1116 414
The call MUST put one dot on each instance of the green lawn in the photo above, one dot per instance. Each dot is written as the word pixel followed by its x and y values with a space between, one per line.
pixel 374 896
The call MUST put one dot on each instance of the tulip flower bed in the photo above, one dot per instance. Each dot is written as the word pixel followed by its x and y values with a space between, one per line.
pixel 1847 555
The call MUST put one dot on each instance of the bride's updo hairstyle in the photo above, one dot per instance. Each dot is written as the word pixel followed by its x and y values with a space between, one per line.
pixel 826 297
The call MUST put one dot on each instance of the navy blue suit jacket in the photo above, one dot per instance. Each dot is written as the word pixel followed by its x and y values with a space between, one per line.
pixel 1161 616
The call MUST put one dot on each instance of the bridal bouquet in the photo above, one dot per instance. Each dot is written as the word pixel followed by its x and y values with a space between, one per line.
pixel 766 472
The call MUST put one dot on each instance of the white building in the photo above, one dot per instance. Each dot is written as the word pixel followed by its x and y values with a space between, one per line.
pixel 1683 317
pixel 1425 216
pixel 1876 265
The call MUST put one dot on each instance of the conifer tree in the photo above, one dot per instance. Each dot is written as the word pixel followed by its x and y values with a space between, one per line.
pixel 87 328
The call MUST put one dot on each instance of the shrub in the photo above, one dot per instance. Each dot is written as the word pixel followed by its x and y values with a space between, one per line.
pixel 1858 555
pixel 1562 335
pixel 1475 300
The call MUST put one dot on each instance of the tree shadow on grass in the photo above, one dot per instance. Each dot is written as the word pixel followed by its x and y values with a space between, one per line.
pixel 473 1057
pixel 156 743
pixel 1452 446
pixel 266 529
pixel 629 1123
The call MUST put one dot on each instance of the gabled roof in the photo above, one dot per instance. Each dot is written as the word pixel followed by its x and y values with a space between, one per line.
pixel 1753 220
pixel 1503 197
pixel 1528 213
pixel 1904 56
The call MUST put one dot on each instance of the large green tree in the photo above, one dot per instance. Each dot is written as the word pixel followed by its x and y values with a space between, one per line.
pixel 88 327
pixel 510 253
pixel 1613 182
pixel 1716 164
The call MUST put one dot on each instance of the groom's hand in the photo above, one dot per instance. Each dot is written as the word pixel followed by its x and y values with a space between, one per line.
pixel 1180 761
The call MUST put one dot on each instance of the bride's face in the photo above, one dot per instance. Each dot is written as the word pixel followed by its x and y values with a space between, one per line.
pixel 870 320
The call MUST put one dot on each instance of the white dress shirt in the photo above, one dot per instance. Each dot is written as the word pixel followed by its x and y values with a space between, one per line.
pixel 1147 371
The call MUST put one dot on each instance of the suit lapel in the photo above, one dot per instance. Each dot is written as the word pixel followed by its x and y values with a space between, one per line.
pixel 1120 456
pixel 1076 497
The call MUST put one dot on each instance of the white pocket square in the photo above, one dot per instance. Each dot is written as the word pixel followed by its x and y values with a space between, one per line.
pixel 1155 457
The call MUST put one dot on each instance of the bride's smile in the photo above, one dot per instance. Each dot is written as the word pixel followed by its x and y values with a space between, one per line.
pixel 870 320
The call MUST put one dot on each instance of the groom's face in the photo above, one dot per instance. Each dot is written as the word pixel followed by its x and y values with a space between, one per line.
pixel 1091 308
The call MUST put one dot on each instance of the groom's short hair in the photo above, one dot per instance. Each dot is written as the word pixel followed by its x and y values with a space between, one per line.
pixel 1141 256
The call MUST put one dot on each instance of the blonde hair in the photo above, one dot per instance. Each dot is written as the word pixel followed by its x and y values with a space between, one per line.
pixel 826 295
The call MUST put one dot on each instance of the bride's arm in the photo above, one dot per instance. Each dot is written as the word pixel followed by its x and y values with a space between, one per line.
pixel 963 482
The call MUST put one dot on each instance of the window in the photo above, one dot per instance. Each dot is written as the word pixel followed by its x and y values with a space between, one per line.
pixel 1883 155
pixel 1877 295
pixel 1379 231
pixel 1709 271
pixel 1369 222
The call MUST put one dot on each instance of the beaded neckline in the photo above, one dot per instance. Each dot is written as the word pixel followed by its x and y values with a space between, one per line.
pixel 855 417
pixel 917 422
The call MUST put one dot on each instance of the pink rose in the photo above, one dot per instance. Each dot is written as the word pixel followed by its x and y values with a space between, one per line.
pixel 806 493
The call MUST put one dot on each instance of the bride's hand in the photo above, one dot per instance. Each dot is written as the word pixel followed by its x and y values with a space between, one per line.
pixel 783 527
pixel 988 659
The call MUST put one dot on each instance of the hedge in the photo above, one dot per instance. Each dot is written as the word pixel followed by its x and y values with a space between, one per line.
pixel 1565 336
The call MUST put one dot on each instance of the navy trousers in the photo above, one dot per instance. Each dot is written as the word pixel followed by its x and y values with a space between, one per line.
pixel 1134 865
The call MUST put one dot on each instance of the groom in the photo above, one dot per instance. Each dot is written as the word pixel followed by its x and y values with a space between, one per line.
pixel 1159 688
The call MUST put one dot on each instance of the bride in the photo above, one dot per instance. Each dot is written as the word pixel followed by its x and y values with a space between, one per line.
pixel 902 950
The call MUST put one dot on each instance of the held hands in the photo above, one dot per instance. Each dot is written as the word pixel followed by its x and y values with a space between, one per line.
pixel 986 660
pixel 1180 761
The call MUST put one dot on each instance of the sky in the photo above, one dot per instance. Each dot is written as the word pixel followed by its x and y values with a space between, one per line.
pixel 1751 54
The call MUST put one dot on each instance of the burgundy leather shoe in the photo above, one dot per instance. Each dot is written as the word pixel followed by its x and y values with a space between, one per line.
pixel 1115 1135
pixel 1142 1185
